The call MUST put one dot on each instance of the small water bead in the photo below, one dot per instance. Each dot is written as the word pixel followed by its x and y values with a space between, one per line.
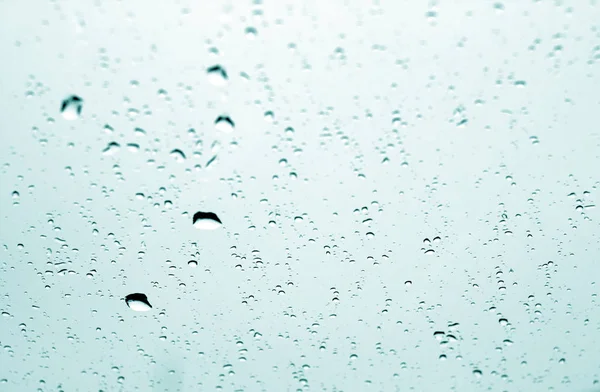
pixel 178 155
pixel 217 75
pixel 111 149
pixel 193 263
pixel 250 33
pixel 206 220
pixel 439 335
pixel 269 116
pixel 224 124
pixel 71 107
pixel 138 302
pixel 133 147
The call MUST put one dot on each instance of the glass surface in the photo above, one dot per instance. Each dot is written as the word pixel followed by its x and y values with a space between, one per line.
pixel 338 195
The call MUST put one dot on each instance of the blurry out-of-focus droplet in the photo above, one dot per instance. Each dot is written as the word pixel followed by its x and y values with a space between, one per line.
pixel 206 221
pixel 250 33
pixel 138 302
pixel 71 107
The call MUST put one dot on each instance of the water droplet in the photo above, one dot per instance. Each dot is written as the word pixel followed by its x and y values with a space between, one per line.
pixel 178 155
pixel 408 283
pixel 439 335
pixel 269 116
pixel 193 263
pixel 217 75
pixel 224 124
pixel 429 251
pixel 499 7
pixel 250 33
pixel 138 302
pixel 111 149
pixel 431 16
pixel 133 147
pixel 503 322
pixel 477 373
pixel 206 221
pixel 71 107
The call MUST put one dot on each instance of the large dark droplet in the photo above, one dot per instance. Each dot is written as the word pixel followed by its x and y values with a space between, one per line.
pixel 138 302
pixel 71 106
pixel 206 220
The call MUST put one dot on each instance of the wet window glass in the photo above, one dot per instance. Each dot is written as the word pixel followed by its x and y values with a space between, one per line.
pixel 266 195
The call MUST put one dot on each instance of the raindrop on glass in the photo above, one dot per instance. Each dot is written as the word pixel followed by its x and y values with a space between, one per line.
pixel 111 149
pixel 193 263
pixel 178 155
pixel 71 107
pixel 138 302
pixel 250 33
pixel 269 116
pixel 224 124
pixel 217 75
pixel 206 220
